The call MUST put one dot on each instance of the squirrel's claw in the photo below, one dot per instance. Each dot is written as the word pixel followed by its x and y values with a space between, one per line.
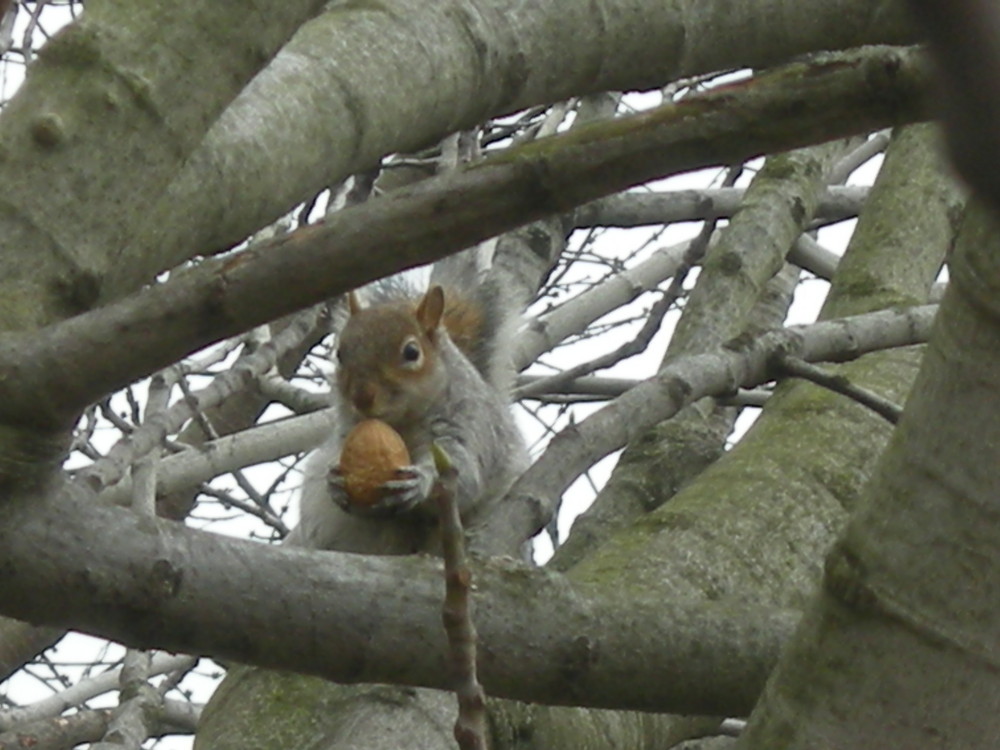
pixel 410 488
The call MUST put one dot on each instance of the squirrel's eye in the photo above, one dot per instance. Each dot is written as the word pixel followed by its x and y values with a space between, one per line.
pixel 411 352
pixel 340 356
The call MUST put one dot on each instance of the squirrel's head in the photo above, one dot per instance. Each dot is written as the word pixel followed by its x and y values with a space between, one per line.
pixel 388 361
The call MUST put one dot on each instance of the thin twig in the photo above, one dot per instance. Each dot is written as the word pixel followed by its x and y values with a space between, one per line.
pixel 211 433
pixel 470 727
pixel 630 348
pixel 76 695
pixel 263 512
pixel 112 468
pixel 692 256
pixel 798 368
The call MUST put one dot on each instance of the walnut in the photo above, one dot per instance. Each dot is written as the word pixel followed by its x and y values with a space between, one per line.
pixel 371 455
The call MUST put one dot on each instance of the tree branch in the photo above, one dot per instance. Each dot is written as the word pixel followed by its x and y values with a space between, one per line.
pixel 353 618
pixel 83 691
pixel 348 81
pixel 255 445
pixel 532 499
pixel 47 377
pixel 645 209
pixel 796 368
pixel 113 466
pixel 545 332
pixel 140 68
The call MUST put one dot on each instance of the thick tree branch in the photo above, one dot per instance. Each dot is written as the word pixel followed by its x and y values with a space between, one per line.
pixel 344 92
pixel 48 376
pixel 911 591
pixel 108 103
pixel 354 618
pixel 20 641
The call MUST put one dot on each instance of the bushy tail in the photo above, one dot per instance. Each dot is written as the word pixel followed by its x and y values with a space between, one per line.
pixel 482 317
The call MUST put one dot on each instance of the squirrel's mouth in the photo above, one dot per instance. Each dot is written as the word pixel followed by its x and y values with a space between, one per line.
pixel 375 410
pixel 368 412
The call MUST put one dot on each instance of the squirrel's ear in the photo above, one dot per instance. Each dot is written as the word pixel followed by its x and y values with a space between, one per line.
pixel 430 309
pixel 353 304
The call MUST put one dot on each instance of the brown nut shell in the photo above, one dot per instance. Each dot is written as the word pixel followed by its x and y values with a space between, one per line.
pixel 372 453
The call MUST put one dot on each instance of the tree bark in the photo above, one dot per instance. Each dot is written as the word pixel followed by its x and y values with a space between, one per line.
pixel 899 648
pixel 350 87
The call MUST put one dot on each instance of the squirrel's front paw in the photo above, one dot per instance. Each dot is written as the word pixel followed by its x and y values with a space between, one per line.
pixel 410 488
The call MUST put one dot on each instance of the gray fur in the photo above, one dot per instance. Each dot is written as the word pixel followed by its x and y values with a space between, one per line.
pixel 471 421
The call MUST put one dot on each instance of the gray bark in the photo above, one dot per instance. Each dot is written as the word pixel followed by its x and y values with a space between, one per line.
pixel 902 637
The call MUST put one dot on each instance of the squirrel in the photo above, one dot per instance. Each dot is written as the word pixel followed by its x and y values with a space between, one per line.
pixel 437 370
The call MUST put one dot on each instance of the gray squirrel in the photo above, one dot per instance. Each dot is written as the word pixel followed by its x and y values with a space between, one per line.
pixel 436 368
